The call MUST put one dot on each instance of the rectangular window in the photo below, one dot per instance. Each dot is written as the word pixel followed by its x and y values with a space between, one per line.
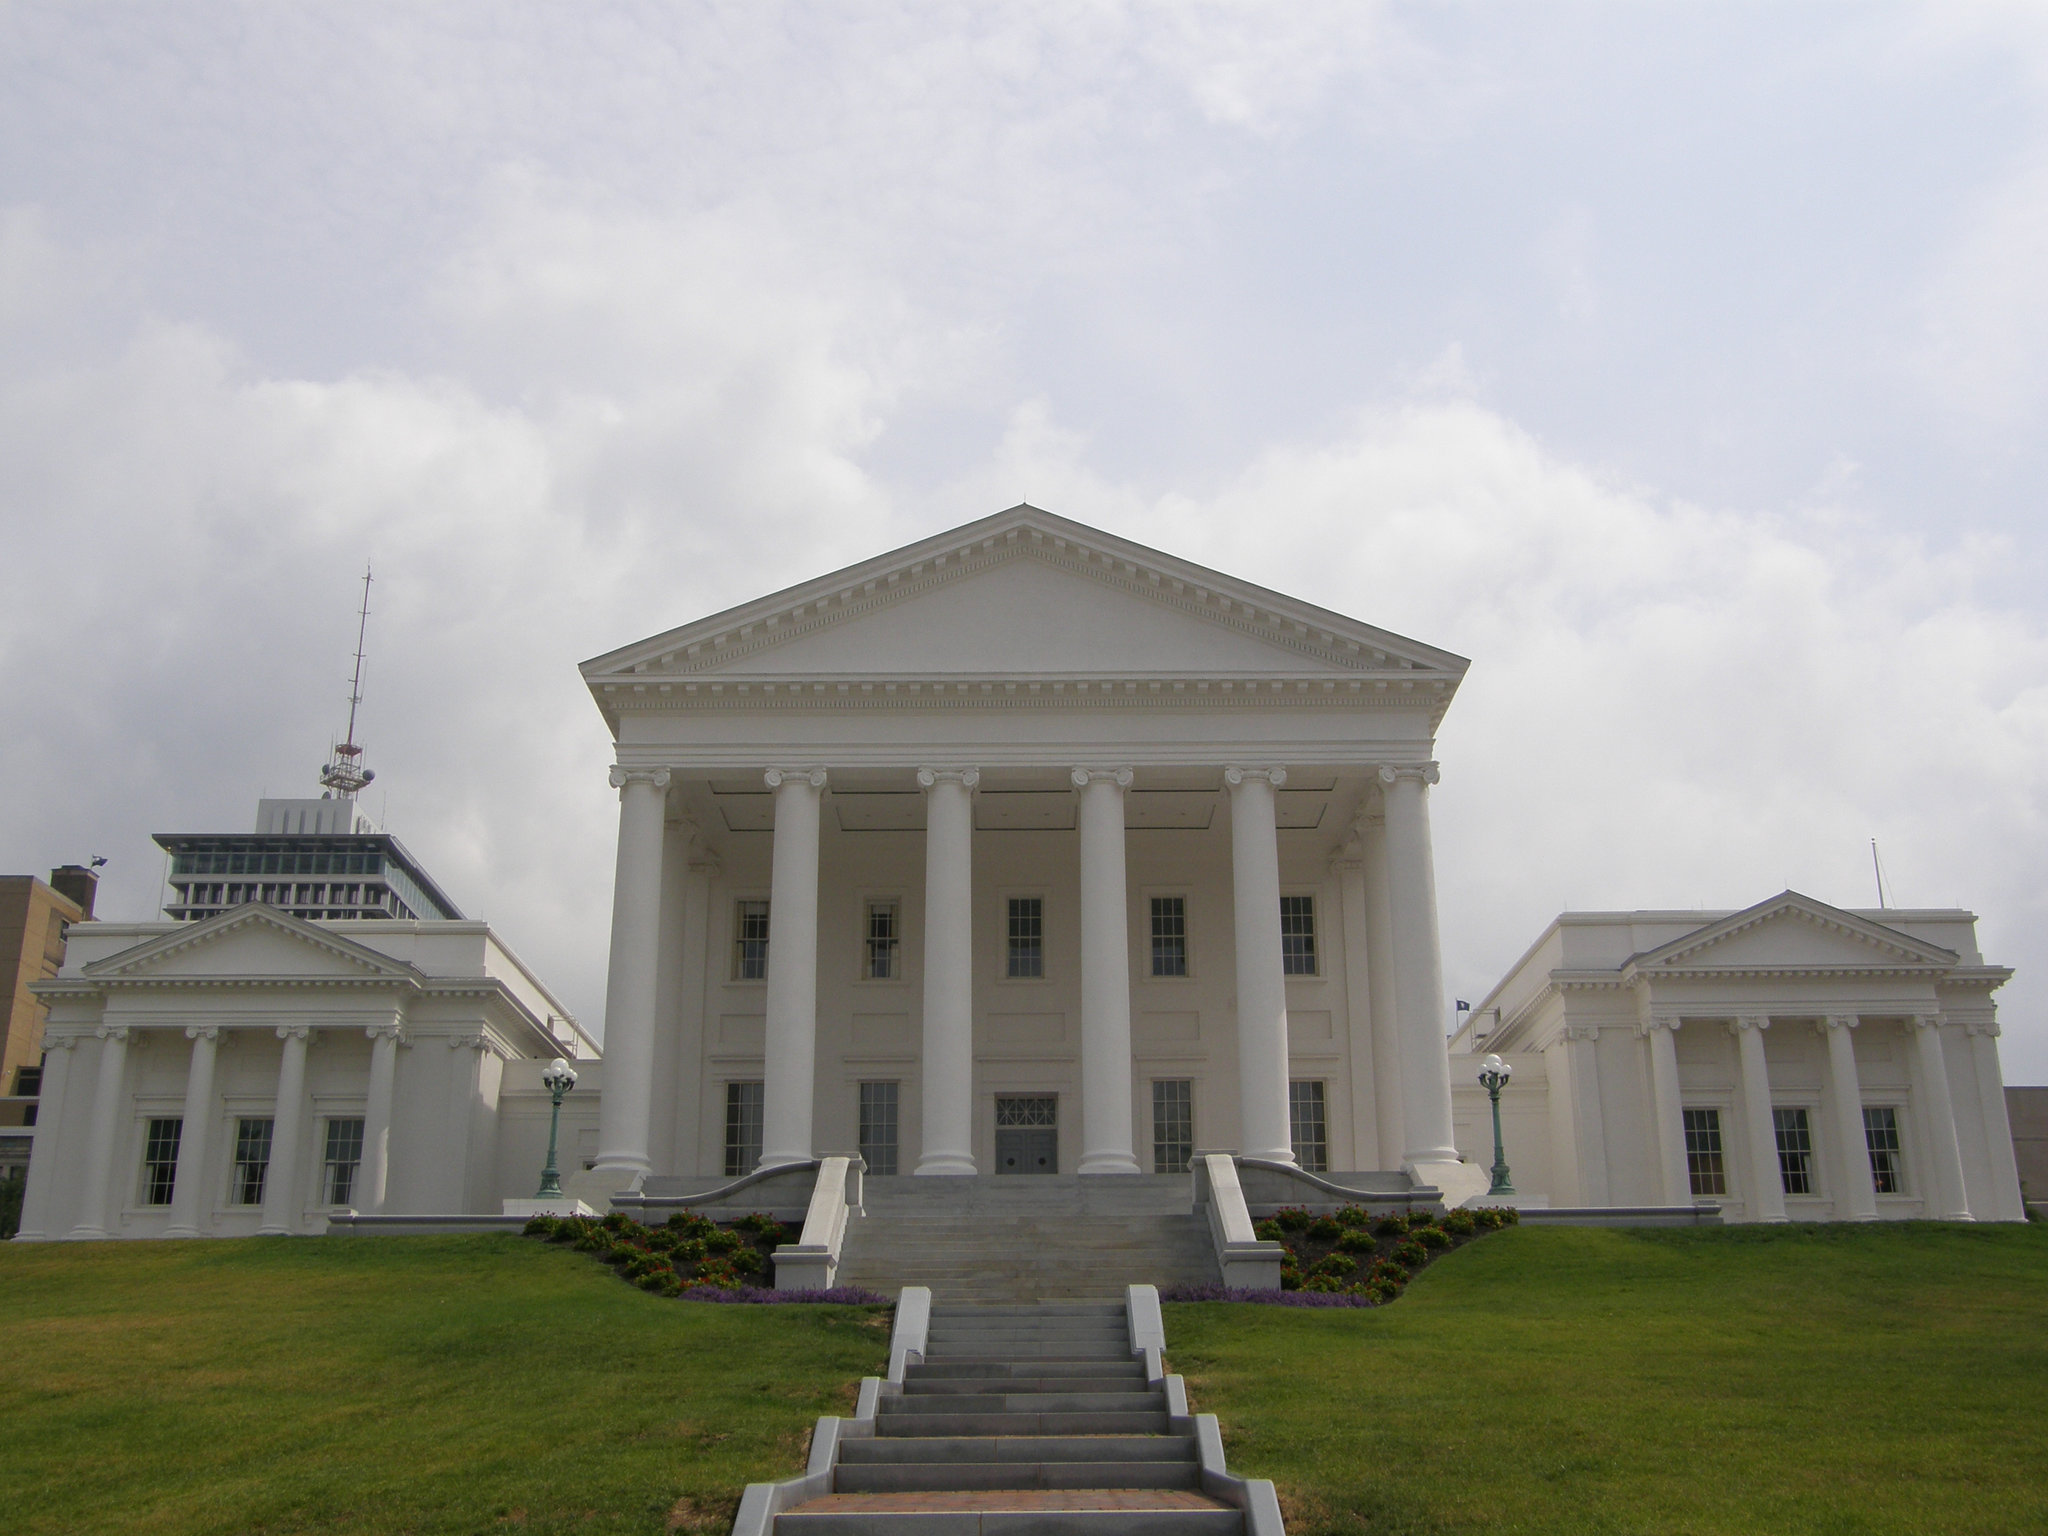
pixel 1308 1124
pixel 1027 937
pixel 1173 1125
pixel 883 943
pixel 1298 935
pixel 344 1157
pixel 750 942
pixel 1795 1150
pixel 1169 936
pixel 1881 1136
pixel 160 1159
pixel 252 1160
pixel 742 1128
pixel 878 1126
pixel 1703 1160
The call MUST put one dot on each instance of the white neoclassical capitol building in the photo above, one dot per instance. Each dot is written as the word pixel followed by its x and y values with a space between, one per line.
pixel 1023 850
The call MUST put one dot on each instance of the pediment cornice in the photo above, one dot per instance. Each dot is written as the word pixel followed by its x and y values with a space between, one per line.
pixel 143 964
pixel 1891 952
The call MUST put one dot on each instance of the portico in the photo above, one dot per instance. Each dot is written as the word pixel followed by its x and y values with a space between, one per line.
pixel 1024 813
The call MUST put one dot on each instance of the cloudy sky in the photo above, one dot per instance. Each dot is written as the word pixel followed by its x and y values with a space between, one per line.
pixel 1684 366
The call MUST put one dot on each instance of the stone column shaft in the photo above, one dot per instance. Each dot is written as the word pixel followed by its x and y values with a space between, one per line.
pixel 106 1120
pixel 374 1177
pixel 190 1202
pixel 1350 871
pixel 947 1097
pixel 1769 1201
pixel 790 1075
pixel 281 1200
pixel 1858 1201
pixel 1949 1199
pixel 1418 968
pixel 2005 1203
pixel 1388 1090
pixel 1262 1062
pixel 630 991
pixel 35 1201
pixel 1670 1108
pixel 1106 1121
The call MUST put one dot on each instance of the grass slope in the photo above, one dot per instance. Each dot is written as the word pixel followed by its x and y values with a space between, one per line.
pixel 413 1384
pixel 1865 1380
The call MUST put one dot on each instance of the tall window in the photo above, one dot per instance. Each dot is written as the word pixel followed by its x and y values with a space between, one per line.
pixel 1298 935
pixel 1795 1150
pixel 1881 1136
pixel 882 959
pixel 878 1126
pixel 344 1155
pixel 1173 1125
pixel 750 942
pixel 742 1128
pixel 1703 1160
pixel 160 1159
pixel 1308 1125
pixel 1169 936
pixel 252 1160
pixel 1027 936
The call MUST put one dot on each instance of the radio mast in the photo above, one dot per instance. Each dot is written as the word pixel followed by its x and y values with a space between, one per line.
pixel 345 773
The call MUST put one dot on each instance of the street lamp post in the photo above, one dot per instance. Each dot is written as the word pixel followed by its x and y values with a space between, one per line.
pixel 1493 1076
pixel 558 1077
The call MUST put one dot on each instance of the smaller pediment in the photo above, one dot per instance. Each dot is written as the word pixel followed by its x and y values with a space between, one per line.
pixel 1792 933
pixel 252 942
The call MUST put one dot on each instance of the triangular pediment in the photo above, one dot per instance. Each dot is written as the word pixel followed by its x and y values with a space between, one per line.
pixel 250 942
pixel 1791 932
pixel 1025 595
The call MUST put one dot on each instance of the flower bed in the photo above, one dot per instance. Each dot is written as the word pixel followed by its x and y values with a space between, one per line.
pixel 1353 1258
pixel 692 1256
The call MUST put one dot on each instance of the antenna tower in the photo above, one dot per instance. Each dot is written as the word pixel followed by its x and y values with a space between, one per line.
pixel 345 773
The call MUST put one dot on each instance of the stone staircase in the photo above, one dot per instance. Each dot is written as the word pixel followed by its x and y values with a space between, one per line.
pixel 1021 1421
pixel 1028 1238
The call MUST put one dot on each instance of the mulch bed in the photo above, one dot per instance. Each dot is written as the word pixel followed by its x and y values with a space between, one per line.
pixel 1352 1258
pixel 692 1256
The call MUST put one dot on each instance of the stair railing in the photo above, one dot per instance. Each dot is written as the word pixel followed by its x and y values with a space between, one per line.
pixel 812 1262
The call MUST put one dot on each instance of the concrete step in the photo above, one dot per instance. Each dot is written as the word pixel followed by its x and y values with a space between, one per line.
pixel 948 1476
pixel 959 1368
pixel 976 1386
pixel 980 1448
pixel 1076 1353
pixel 1022 1512
pixel 1000 1335
pixel 1022 1402
pixel 1036 1422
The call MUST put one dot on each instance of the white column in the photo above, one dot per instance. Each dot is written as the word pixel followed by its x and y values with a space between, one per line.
pixel 1418 968
pixel 947 1095
pixel 630 990
pixel 52 1112
pixel 1106 1131
pixel 189 1203
pixel 1349 868
pixel 374 1177
pixel 789 1075
pixel 1858 1201
pixel 106 1122
pixel 1386 1018
pixel 692 1080
pixel 2006 1203
pixel 1768 1203
pixel 1589 1121
pixel 282 1199
pixel 1670 1110
pixel 1951 1203
pixel 664 1075
pixel 1261 983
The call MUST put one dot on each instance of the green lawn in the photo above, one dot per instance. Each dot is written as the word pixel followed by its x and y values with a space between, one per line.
pixel 412 1384
pixel 1853 1380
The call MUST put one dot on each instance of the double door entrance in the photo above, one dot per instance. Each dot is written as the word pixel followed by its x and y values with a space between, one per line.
pixel 1027 1133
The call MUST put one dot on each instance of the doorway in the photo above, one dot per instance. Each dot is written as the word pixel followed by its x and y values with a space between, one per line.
pixel 1027 1133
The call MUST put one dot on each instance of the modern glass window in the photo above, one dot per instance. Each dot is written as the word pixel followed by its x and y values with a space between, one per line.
pixel 1026 937
pixel 1795 1150
pixel 343 1156
pixel 1173 1124
pixel 878 1103
pixel 742 1128
pixel 1298 935
pixel 1169 936
pixel 160 1159
pixel 1704 1162
pixel 1881 1136
pixel 1308 1124
pixel 883 961
pixel 750 941
pixel 252 1160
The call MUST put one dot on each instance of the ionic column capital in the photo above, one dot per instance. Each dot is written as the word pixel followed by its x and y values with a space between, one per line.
pixel 294 1031
pixel 621 776
pixel 110 1032
pixel 1657 1021
pixel 775 778
pixel 1391 774
pixel 1928 1021
pixel 1121 777
pixel 1985 1027
pixel 392 1032
pixel 1235 776
pixel 966 778
pixel 202 1031
pixel 60 1042
pixel 1747 1022
pixel 1838 1021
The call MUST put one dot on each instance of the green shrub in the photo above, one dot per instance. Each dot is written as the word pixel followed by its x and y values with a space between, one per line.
pixel 748 1262
pixel 691 1224
pixel 1390 1226
pixel 1460 1223
pixel 1386 1272
pixel 689 1250
pixel 1335 1265
pixel 1322 1283
pixel 1355 1241
pixel 1266 1230
pixel 617 1221
pixel 1382 1291
pixel 1412 1254
pixel 1353 1216
pixel 1324 1229
pixel 721 1241
pixel 1291 1218
pixel 540 1226
pixel 1433 1237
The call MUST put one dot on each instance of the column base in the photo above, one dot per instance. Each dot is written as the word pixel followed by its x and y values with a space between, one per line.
pixel 87 1235
pixel 183 1232
pixel 946 1165
pixel 1108 1163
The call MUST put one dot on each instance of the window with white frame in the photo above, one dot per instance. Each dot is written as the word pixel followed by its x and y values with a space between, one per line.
pixel 1169 936
pixel 882 958
pixel 1795 1150
pixel 1887 1159
pixel 341 1159
pixel 160 1158
pixel 252 1159
pixel 750 941
pixel 1308 1125
pixel 1173 1124
pixel 878 1105
pixel 743 1102
pixel 1704 1162
pixel 1298 935
pixel 1026 938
